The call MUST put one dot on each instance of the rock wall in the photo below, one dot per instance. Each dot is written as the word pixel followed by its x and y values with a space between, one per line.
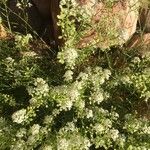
pixel 144 20
pixel 121 21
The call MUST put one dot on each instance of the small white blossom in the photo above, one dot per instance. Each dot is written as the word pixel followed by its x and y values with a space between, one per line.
pixel 103 111
pixel 136 60
pixel 115 115
pixel 121 140
pixel 78 85
pixel 10 60
pixel 35 129
pixel 68 56
pixel 89 113
pixel 146 95
pixel 47 147
pixel 48 119
pixel 107 123
pixel 102 79
pixel 30 5
pixel 67 105
pixel 19 116
pixel 87 143
pixel 107 73
pixel 83 76
pixel 80 104
pixel 22 41
pixel 114 134
pixel 68 75
pixel 41 86
pixel 19 145
pixel 73 94
pixel 21 133
pixel 99 127
pixel 125 79
pixel 29 54
pixel 32 139
pixel 146 130
pixel 19 5
pixel 98 97
pixel 62 144
pixel 146 71
pixel 33 101
pixel 39 81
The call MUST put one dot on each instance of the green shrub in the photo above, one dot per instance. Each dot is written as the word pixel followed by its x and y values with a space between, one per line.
pixel 89 102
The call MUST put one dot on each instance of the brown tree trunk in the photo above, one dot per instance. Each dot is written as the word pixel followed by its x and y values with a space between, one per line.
pixel 49 9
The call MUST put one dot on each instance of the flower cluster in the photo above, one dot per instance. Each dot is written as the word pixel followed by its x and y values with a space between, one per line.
pixel 19 116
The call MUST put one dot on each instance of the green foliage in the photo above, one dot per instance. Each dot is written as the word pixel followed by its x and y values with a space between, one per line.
pixel 90 102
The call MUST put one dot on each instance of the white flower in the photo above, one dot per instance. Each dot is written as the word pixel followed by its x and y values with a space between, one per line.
pixel 146 130
pixel 68 75
pixel 89 113
pixel 10 60
pixel 87 143
pixel 98 97
pixel 147 95
pixel 19 116
pixel 33 101
pixel 114 134
pixel 80 104
pixel 47 147
pixel 21 133
pixel 29 54
pixel 146 71
pixel 32 139
pixel 65 104
pixel 107 123
pixel 68 56
pixel 125 79
pixel 107 73
pixel 83 76
pixel 115 115
pixel 103 112
pixel 62 144
pixel 39 81
pixel 30 5
pixel 19 5
pixel 78 85
pixel 136 60
pixel 71 54
pixel 73 94
pixel 68 105
pixel 35 129
pixel 102 80
pixel 99 127
pixel 121 140
pixel 19 145
pixel 41 86
pixel 48 119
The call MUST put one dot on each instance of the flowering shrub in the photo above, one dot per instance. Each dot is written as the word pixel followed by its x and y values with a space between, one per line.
pixel 84 104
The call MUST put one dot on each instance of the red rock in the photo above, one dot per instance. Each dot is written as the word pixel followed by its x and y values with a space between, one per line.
pixel 3 33
pixel 121 19
pixel 144 20
pixel 139 40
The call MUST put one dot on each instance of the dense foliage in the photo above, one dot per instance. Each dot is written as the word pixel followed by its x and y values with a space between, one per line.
pixel 88 98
